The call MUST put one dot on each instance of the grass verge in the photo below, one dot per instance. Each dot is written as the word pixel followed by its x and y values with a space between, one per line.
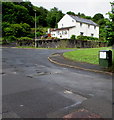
pixel 42 47
pixel 88 55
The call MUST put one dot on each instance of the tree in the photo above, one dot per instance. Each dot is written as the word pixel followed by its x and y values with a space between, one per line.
pixel 14 13
pixel 17 30
pixel 41 14
pixel 81 15
pixel 53 17
pixel 29 7
pixel 110 27
pixel 88 17
pixel 71 13
pixel 97 17
pixel 102 31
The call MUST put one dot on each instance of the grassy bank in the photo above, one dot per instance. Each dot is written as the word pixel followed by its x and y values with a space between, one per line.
pixel 89 55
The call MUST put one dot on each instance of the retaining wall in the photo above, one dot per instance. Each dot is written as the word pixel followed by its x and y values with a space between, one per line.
pixel 69 43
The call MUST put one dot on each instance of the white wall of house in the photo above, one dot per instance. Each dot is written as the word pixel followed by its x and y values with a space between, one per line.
pixel 66 21
pixel 87 30
pixel 62 34
pixel 79 29
pixel 72 31
pixel 54 34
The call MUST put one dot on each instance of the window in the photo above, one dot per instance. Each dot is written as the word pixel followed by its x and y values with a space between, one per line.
pixel 62 25
pixel 58 32
pixel 94 27
pixel 81 33
pixel 65 32
pixel 92 34
pixel 88 26
pixel 72 20
pixel 80 24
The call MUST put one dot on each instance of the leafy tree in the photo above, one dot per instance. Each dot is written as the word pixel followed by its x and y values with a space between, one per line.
pixel 8 12
pixel 88 17
pixel 53 17
pixel 14 13
pixel 4 25
pixel 17 30
pixel 102 22
pixel 102 31
pixel 41 14
pixel 71 13
pixel 59 15
pixel 97 17
pixel 29 7
pixel 81 15
pixel 110 27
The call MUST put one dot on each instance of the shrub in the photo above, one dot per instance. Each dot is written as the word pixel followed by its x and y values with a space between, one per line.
pixel 25 41
pixel 9 39
pixel 82 37
pixel 73 37
pixel 86 38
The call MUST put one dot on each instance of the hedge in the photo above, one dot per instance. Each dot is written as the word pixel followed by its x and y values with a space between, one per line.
pixel 86 38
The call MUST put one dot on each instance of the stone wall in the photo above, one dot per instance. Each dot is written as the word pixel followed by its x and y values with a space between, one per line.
pixel 69 43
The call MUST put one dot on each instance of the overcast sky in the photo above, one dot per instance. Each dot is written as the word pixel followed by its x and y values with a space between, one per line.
pixel 88 7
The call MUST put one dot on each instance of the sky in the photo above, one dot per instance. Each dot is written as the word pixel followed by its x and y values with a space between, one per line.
pixel 88 7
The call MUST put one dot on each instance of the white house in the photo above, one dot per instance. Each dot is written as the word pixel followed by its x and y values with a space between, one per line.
pixel 73 25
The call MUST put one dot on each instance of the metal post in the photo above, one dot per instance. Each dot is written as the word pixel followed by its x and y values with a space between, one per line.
pixel 35 29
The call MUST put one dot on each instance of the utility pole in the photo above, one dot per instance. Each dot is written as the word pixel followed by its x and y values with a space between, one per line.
pixel 35 30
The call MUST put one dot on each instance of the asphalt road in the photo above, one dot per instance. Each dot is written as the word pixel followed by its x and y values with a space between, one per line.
pixel 33 87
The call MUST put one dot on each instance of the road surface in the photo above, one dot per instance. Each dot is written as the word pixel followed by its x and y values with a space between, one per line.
pixel 33 87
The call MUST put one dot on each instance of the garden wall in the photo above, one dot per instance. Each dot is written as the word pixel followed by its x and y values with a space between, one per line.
pixel 69 43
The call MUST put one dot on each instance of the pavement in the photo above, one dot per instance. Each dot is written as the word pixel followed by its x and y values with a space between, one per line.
pixel 59 59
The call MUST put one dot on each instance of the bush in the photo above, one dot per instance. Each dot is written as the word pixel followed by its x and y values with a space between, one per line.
pixel 9 39
pixel 25 41
pixel 82 37
pixel 39 34
pixel 86 38
pixel 73 37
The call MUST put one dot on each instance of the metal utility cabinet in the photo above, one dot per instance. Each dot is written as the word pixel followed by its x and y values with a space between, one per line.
pixel 105 58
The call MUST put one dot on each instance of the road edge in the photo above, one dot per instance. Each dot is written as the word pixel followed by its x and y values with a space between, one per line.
pixel 76 67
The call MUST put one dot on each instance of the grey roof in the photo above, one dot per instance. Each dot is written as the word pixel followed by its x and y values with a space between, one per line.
pixel 82 20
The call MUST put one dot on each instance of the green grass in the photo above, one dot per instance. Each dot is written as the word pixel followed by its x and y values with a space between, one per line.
pixel 42 47
pixel 88 55
pixel 0 40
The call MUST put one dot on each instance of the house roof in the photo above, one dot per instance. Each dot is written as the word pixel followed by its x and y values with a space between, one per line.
pixel 64 28
pixel 82 20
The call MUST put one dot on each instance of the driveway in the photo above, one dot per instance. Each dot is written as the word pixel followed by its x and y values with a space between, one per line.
pixel 33 87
